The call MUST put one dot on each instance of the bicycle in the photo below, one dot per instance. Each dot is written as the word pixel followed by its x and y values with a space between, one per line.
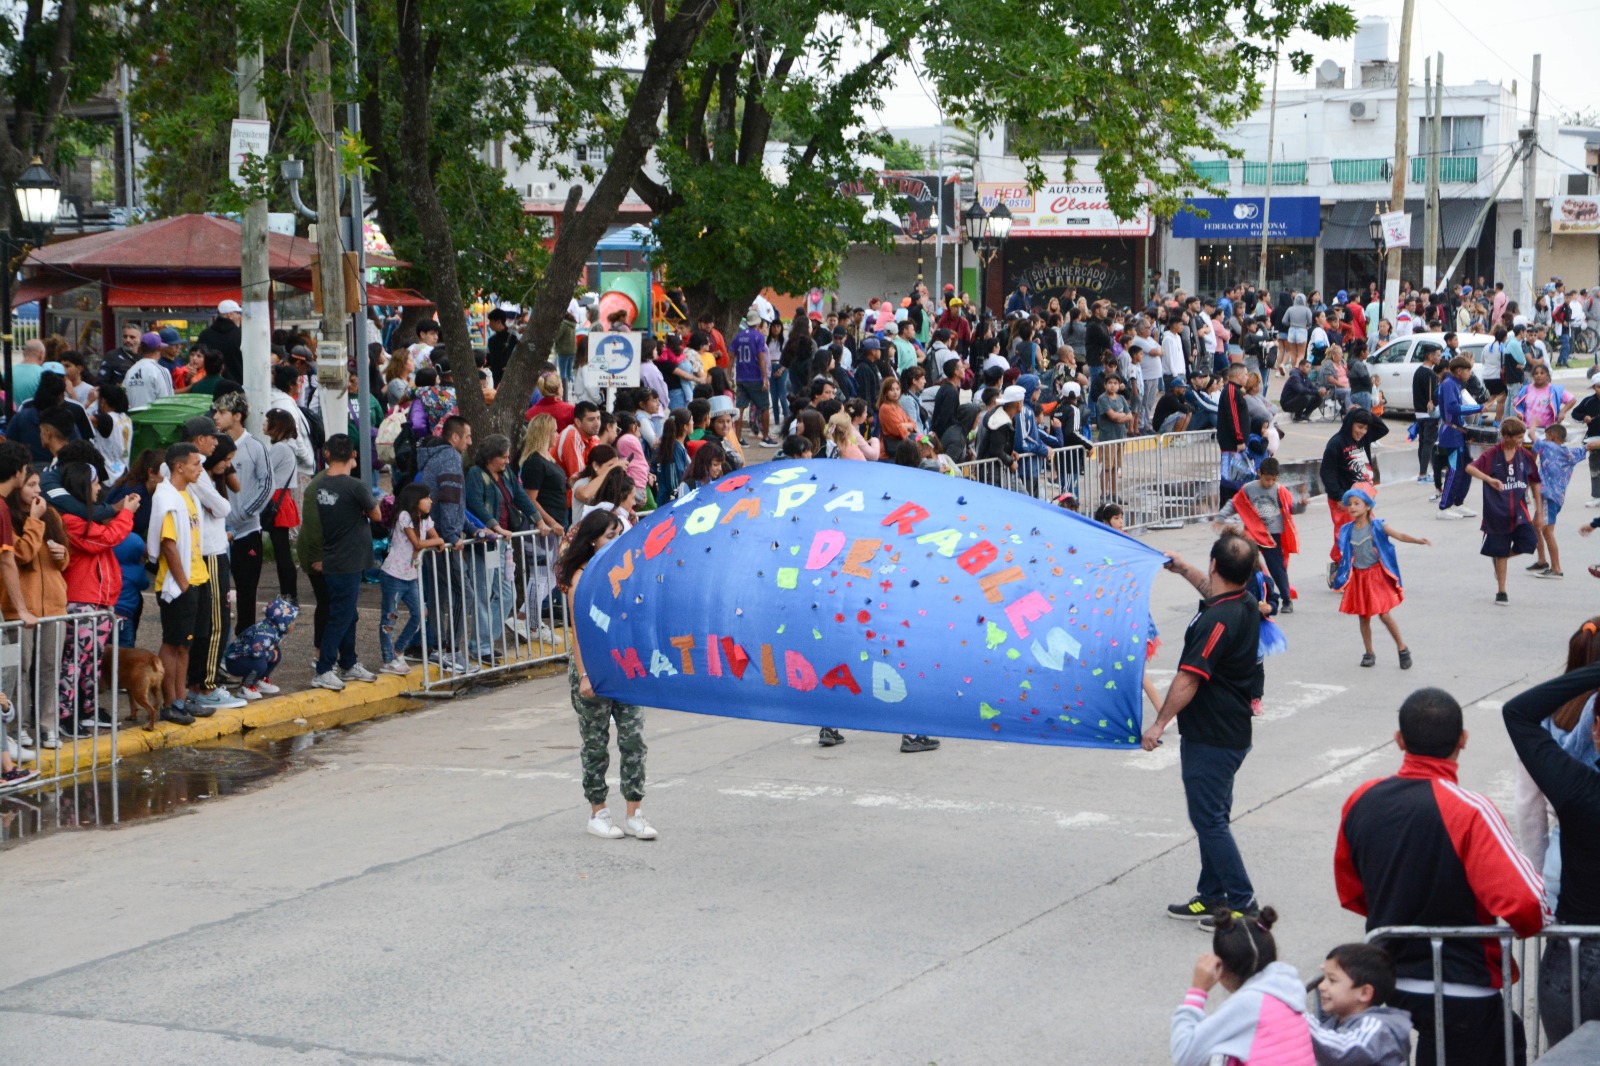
pixel 1585 340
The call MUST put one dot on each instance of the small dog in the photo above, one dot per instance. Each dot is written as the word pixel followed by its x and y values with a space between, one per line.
pixel 139 674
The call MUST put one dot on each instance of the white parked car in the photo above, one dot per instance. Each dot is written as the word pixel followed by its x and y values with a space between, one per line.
pixel 1395 364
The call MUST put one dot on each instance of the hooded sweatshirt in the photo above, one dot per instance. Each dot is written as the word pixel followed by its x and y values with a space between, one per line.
pixel 954 438
pixel 1347 462
pixel 439 468
pixel 1263 1024
pixel 1378 1036
pixel 1299 316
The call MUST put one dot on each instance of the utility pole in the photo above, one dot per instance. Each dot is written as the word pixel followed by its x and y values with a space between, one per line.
pixel 1402 116
pixel 1435 168
pixel 255 342
pixel 1530 169
pixel 330 250
pixel 1430 209
pixel 358 241
pixel 1266 206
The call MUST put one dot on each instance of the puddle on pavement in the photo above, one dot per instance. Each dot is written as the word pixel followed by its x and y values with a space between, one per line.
pixel 169 781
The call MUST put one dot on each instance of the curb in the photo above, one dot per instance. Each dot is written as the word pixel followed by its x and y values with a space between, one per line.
pixel 358 702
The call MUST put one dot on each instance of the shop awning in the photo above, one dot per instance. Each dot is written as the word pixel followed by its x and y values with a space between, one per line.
pixel 383 296
pixel 33 289
pixel 1346 228
pixel 170 292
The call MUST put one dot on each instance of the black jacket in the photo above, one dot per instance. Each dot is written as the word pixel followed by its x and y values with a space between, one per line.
pixel 1340 458
pixel 945 404
pixel 1233 418
pixel 223 337
pixel 501 345
pixel 1424 383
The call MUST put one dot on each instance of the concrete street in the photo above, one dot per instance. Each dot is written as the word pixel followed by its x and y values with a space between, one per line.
pixel 423 890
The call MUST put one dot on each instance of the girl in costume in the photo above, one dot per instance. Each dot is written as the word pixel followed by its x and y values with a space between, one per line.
pixel 1369 573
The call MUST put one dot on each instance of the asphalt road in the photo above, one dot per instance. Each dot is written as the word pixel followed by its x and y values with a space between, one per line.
pixel 424 891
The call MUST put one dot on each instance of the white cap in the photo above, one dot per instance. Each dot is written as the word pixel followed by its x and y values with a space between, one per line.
pixel 1070 388
pixel 229 307
pixel 1013 394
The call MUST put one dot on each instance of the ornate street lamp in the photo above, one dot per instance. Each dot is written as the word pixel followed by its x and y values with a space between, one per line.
pixel 38 197
pixel 920 230
pixel 987 230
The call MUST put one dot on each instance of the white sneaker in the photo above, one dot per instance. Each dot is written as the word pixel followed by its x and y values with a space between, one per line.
pixel 1449 516
pixel 357 672
pixel 50 740
pixel 248 693
pixel 25 738
pixel 1466 512
pixel 329 681
pixel 600 826
pixel 267 688
pixel 396 665
pixel 638 827
pixel 546 634
pixel 519 627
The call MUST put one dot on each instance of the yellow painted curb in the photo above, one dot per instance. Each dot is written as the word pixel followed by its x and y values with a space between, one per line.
pixel 319 708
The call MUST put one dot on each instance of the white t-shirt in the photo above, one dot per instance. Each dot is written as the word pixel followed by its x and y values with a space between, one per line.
pixel 401 562
pixel 421 356
pixel 114 447
pixel 1402 324
pixel 1493 358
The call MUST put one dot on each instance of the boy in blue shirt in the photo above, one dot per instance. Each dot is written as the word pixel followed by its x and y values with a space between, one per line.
pixel 1556 461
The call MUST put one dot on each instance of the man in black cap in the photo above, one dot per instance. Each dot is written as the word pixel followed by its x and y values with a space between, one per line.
pixel 224 337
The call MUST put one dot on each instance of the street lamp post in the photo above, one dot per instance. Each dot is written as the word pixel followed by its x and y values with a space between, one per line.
pixel 1375 232
pixel 38 201
pixel 923 229
pixel 987 230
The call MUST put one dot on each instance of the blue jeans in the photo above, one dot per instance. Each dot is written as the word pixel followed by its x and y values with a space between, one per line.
pixel 339 639
pixel 1208 787
pixel 780 401
pixel 486 586
pixel 1566 345
pixel 397 590
pixel 564 367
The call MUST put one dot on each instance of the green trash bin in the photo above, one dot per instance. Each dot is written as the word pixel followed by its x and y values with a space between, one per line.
pixel 161 424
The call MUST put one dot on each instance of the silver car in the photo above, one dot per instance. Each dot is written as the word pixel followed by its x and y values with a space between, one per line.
pixel 1395 364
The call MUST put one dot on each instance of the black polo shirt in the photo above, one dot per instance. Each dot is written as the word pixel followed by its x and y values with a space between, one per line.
pixel 1221 648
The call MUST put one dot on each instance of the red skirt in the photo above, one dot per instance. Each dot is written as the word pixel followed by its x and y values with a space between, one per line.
pixel 1370 592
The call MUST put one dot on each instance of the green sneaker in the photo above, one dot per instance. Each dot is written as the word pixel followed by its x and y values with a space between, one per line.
pixel 1194 910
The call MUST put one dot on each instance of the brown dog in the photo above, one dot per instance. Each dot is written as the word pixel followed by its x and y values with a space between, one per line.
pixel 139 674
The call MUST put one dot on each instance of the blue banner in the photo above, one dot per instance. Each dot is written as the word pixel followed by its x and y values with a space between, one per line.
pixel 1240 218
pixel 870 596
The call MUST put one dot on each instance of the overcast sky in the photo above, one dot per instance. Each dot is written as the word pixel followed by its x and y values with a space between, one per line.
pixel 1566 32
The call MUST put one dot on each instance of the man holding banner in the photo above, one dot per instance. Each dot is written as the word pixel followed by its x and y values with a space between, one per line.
pixel 1218 684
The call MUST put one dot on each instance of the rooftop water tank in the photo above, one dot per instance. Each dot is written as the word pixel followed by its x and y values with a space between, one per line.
pixel 1372 40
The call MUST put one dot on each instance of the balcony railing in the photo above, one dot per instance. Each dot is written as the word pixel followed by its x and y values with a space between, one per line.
pixel 1360 171
pixel 1459 169
pixel 1282 173
pixel 1211 170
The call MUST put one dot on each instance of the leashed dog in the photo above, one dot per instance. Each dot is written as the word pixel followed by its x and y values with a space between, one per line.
pixel 139 674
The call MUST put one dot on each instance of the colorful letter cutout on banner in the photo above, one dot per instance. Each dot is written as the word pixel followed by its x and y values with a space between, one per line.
pixel 870 596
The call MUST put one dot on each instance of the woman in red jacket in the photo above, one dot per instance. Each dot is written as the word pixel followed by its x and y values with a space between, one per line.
pixel 94 581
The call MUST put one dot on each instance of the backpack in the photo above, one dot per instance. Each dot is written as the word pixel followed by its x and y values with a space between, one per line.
pixel 389 429
pixel 403 459
pixel 1560 314
pixel 319 438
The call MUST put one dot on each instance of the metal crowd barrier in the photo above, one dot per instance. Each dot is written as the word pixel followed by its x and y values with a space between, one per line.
pixel 1510 944
pixel 52 676
pixel 1162 480
pixel 491 608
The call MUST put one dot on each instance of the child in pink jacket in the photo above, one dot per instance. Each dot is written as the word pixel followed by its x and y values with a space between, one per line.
pixel 1263 1021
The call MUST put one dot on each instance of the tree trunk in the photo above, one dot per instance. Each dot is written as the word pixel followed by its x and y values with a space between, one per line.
pixel 580 230
pixel 728 314
pixel 416 178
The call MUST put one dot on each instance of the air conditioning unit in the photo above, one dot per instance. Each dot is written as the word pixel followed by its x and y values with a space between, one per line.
pixel 539 190
pixel 1361 111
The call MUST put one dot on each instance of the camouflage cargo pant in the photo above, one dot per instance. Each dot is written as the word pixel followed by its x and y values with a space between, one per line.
pixel 594 726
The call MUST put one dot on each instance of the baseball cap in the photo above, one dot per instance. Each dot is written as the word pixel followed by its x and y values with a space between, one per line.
pixel 1013 394
pixel 53 367
pixel 955 301
pixel 199 426
pixel 229 307
pixel 169 335
pixel 871 344
pixel 150 342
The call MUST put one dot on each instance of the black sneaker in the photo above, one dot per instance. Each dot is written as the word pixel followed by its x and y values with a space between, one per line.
pixel 1195 909
pixel 910 744
pixel 1502 600
pixel 1208 923
pixel 176 715
pixel 67 729
pixel 196 709
pixel 1287 608
pixel 827 738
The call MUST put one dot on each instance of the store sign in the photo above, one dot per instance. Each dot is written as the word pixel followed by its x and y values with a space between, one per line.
pixel 1243 218
pixel 1071 209
pixel 1095 269
pixel 912 199
pixel 1575 214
